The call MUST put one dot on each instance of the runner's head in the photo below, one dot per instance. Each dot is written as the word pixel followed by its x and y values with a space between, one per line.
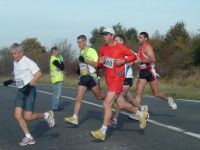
pixel 119 39
pixel 55 51
pixel 108 35
pixel 143 37
pixel 16 51
pixel 82 41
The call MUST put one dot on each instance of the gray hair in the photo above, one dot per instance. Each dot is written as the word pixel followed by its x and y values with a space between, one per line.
pixel 17 47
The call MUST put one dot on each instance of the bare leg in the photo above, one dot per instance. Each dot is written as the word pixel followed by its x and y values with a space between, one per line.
pixel 80 93
pixel 110 97
pixel 139 89
pixel 156 92
pixel 97 92
pixel 29 116
pixel 21 120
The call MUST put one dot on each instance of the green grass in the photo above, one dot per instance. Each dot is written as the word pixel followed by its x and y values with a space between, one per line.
pixel 174 88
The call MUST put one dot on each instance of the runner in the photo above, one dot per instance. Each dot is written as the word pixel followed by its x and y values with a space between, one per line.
pixel 112 57
pixel 128 82
pixel 147 73
pixel 88 78
pixel 26 74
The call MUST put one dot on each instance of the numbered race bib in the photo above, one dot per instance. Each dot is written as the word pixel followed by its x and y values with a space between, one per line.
pixel 109 62
pixel 83 68
pixel 20 83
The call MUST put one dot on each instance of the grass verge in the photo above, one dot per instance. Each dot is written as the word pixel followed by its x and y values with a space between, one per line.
pixel 170 88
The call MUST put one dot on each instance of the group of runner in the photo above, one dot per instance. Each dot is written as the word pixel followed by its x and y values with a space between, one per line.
pixel 116 59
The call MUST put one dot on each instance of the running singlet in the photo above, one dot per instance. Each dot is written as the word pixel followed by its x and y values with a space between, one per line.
pixel 24 71
pixel 143 55
pixel 147 70
pixel 91 55
pixel 114 75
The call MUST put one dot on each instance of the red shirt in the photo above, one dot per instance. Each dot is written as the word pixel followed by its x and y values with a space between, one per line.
pixel 118 51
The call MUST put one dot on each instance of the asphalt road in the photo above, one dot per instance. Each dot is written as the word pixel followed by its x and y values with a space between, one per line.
pixel 166 129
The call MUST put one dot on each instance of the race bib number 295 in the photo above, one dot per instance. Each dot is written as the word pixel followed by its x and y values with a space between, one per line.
pixel 109 62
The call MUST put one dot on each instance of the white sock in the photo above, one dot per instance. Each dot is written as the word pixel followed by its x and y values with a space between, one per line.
pixel 46 115
pixel 28 135
pixel 103 129
pixel 75 116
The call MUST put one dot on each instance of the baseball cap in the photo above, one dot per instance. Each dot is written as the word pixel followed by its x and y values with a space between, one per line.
pixel 108 30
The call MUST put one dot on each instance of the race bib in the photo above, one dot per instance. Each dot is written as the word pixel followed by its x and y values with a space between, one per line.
pixel 20 83
pixel 83 68
pixel 109 62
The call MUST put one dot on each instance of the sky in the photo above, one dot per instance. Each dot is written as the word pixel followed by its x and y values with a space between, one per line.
pixel 52 20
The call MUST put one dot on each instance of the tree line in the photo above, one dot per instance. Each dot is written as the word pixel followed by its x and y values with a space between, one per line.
pixel 177 51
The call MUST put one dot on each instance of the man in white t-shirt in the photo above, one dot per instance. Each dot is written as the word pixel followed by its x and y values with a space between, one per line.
pixel 26 74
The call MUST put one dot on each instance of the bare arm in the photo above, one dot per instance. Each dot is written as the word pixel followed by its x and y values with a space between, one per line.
pixel 36 77
pixel 94 64
pixel 150 54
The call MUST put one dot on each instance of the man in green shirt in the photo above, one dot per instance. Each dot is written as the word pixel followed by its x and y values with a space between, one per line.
pixel 88 78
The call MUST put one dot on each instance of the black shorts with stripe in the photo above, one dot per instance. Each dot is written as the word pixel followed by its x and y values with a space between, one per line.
pixel 147 74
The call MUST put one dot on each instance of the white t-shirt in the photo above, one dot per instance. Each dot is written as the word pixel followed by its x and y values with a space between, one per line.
pixel 24 71
pixel 128 71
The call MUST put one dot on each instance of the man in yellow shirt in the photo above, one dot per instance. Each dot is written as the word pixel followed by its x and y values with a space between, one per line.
pixel 56 73
pixel 88 77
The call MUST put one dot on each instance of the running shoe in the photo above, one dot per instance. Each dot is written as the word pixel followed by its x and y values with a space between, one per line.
pixel 135 117
pixel 50 119
pixel 27 141
pixel 144 108
pixel 98 134
pixel 71 120
pixel 172 104
pixel 143 119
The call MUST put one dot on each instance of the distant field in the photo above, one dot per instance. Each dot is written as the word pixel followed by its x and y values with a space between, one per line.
pixel 174 88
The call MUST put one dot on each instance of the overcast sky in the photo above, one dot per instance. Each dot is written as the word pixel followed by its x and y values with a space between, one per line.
pixel 51 20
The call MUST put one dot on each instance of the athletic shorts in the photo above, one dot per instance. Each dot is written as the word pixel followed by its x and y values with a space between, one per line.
pixel 128 81
pixel 148 74
pixel 87 81
pixel 115 86
pixel 26 101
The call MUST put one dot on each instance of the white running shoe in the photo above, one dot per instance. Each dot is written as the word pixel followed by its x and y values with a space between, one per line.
pixel 27 141
pixel 172 104
pixel 135 117
pixel 144 108
pixel 50 119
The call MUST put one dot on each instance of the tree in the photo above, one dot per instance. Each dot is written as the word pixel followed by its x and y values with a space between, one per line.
pixel 195 46
pixel 69 55
pixel 130 35
pixel 32 47
pixel 174 51
pixel 6 62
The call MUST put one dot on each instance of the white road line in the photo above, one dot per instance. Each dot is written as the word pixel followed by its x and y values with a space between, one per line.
pixel 125 113
pixel 149 120
pixel 179 99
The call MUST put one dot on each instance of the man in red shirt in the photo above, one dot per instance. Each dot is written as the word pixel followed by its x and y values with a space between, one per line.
pixel 112 57
pixel 147 73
